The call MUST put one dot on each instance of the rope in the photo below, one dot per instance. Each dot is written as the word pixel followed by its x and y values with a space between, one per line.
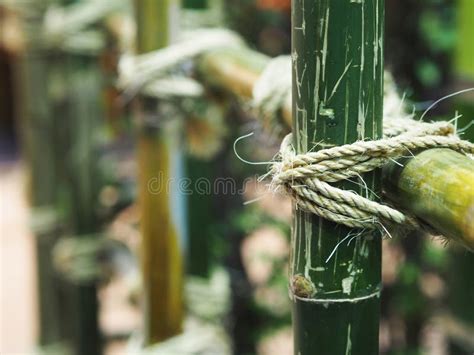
pixel 44 221
pixel 273 88
pixel 308 177
pixel 82 260
pixel 136 72
pixel 67 27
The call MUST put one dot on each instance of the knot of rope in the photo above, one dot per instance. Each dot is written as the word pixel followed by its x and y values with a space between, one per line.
pixel 145 73
pixel 84 259
pixel 273 88
pixel 308 177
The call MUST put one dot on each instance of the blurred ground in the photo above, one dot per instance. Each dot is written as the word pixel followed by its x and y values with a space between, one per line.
pixel 18 292
pixel 119 318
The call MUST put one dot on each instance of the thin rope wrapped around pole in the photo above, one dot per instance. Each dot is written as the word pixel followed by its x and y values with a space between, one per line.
pixel 308 177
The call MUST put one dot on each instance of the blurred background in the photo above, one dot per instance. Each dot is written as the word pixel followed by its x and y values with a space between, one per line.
pixel 77 250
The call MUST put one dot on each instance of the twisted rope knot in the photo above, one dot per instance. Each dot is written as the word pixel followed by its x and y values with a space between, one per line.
pixel 273 89
pixel 145 72
pixel 308 177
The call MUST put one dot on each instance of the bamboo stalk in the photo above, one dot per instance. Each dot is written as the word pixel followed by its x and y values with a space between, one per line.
pixel 337 99
pixel 237 70
pixel 465 52
pixel 195 4
pixel 161 259
pixel 461 263
pixel 38 138
pixel 83 113
pixel 437 186
pixel 201 213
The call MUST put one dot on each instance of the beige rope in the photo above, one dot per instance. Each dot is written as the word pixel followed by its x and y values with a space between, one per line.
pixel 136 72
pixel 307 177
pixel 273 88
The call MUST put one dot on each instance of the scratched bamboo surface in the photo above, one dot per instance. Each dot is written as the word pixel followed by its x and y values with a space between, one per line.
pixel 337 99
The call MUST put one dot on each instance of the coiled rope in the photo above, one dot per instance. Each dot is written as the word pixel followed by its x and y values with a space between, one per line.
pixel 308 177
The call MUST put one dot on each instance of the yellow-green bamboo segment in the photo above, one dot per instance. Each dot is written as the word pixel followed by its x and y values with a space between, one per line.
pixel 465 49
pixel 160 255
pixel 438 186
pixel 237 72
pixel 460 281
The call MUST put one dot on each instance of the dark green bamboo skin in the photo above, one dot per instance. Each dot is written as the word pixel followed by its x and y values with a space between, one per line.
pixel 195 4
pixel 201 218
pixel 81 180
pixel 338 98
pixel 38 138
pixel 337 328
pixel 461 294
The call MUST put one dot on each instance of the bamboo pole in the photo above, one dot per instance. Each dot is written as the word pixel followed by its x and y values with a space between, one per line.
pixel 237 72
pixel 195 4
pixel 199 205
pixel 201 211
pixel 82 115
pixel 438 187
pixel 38 137
pixel 461 263
pixel 337 99
pixel 465 52
pixel 161 260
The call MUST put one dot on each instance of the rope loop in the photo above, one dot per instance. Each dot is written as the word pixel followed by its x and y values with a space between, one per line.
pixel 308 178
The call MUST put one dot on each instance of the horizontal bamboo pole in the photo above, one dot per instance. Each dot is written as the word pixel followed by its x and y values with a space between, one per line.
pixel 237 70
pixel 443 195
pixel 437 186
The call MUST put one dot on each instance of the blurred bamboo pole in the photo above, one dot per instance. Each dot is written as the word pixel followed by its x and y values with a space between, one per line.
pixel 201 212
pixel 38 138
pixel 82 114
pixel 62 113
pixel 461 263
pixel 160 254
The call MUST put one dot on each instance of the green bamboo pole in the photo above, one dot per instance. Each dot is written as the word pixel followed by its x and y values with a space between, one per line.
pixel 437 186
pixel 195 4
pixel 200 206
pixel 38 137
pixel 464 67
pixel 337 99
pixel 465 52
pixel 161 259
pixel 461 263
pixel 83 114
